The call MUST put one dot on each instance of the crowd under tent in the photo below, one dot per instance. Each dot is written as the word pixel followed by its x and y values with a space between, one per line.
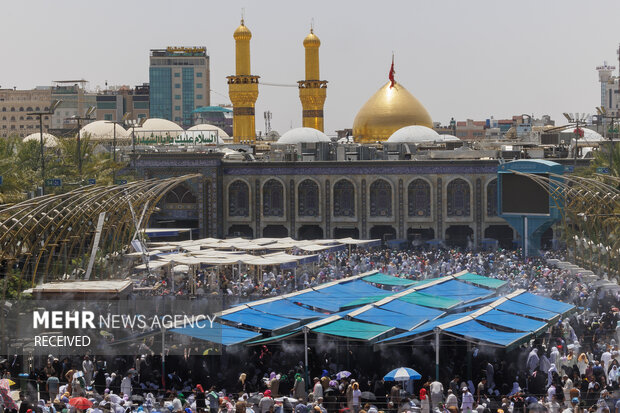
pixel 419 310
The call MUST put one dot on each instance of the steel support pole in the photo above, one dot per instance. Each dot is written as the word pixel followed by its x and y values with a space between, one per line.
pixel 525 237
pixel 163 358
pixel 79 149
pixel 306 357
pixel 42 155
pixel 114 157
pixel 436 353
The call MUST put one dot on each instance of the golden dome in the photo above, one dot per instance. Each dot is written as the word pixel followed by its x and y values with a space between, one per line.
pixel 312 40
pixel 242 32
pixel 388 110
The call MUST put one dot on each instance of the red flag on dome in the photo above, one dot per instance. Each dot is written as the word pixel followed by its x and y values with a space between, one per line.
pixel 392 71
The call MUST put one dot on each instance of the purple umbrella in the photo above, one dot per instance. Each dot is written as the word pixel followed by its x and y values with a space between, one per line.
pixel 343 374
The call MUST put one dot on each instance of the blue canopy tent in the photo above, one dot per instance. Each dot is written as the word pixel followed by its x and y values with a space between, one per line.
pixel 337 296
pixel 357 288
pixel 390 318
pixel 404 307
pixel 511 321
pixel 420 308
pixel 217 333
pixel 255 318
pixel 458 290
pixel 526 310
pixel 478 332
pixel 423 330
pixel 288 309
pixel 544 303
pixel 317 299
pixel 475 304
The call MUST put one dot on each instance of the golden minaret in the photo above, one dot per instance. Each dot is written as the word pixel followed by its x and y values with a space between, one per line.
pixel 312 91
pixel 243 88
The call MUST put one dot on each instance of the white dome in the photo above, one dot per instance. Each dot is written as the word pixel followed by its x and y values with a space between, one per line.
pixel 49 141
pixel 414 134
pixel 302 135
pixel 156 124
pixel 157 127
pixel 588 134
pixel 206 127
pixel 102 130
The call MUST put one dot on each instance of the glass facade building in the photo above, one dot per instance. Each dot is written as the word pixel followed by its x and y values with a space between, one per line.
pixel 179 83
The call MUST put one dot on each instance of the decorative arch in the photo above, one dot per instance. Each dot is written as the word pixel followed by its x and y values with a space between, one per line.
pixel 458 198
pixel 273 198
pixel 180 194
pixel 492 198
pixel 344 198
pixel 419 198
pixel 308 198
pixel 238 199
pixel 380 198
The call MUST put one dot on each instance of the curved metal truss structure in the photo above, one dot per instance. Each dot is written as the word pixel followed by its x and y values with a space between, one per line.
pixel 590 209
pixel 51 237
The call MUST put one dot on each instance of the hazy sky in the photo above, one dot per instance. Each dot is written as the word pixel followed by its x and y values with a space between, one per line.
pixel 461 58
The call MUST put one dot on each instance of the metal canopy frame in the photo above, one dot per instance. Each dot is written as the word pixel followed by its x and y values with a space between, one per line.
pixel 50 237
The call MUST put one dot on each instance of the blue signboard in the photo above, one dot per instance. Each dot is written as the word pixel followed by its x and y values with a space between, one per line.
pixel 569 168
pixel 601 170
pixel 92 181
pixel 53 182
pixel 0 179
pixel 120 181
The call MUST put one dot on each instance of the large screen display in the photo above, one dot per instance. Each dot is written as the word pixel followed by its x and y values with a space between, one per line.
pixel 523 195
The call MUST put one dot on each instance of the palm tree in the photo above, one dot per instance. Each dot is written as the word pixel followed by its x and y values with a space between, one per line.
pixel 602 159
pixel 20 164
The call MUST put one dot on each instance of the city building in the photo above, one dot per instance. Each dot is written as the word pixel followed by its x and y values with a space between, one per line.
pixel 220 116
pixel 610 89
pixel 15 106
pixel 113 103
pixel 471 130
pixel 75 102
pixel 179 80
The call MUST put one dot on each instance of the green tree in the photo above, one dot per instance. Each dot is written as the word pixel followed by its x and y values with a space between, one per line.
pixel 601 159
pixel 20 164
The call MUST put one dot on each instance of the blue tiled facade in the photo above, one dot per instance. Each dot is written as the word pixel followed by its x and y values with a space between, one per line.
pixel 240 187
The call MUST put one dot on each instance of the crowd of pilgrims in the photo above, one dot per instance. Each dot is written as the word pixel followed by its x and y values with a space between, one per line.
pixel 573 368
pixel 532 274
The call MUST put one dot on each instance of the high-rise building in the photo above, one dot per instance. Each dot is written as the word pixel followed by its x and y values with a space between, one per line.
pixel 15 106
pixel 179 83
pixel 312 91
pixel 609 89
pixel 243 88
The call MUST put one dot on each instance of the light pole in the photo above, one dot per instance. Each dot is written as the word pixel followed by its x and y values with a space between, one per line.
pixel 577 118
pixel 40 114
pixel 116 122
pixel 603 114
pixel 79 142
pixel 134 123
